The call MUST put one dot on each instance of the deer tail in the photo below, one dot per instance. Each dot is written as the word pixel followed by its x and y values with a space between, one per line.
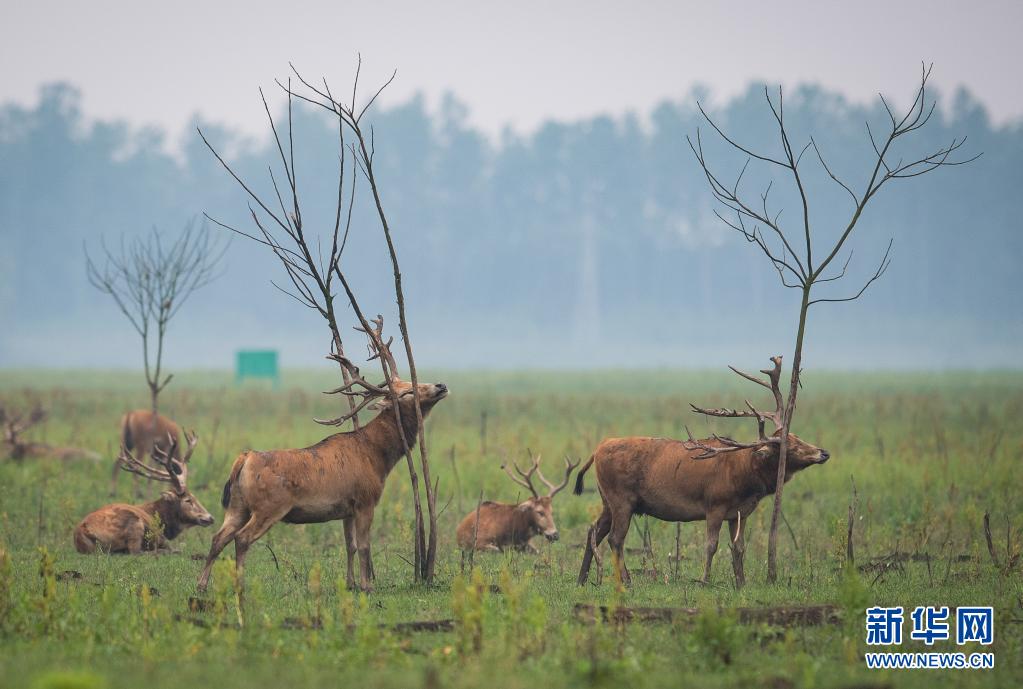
pixel 126 438
pixel 83 541
pixel 225 499
pixel 579 476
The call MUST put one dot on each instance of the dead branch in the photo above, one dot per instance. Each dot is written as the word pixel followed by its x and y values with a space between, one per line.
pixel 853 504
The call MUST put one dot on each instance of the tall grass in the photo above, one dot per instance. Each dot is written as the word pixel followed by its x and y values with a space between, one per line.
pixel 929 454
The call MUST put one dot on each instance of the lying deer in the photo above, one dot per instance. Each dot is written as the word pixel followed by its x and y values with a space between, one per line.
pixel 143 433
pixel 134 529
pixel 14 424
pixel 713 480
pixel 340 477
pixel 501 525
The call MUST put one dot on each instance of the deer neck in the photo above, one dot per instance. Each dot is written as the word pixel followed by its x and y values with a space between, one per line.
pixel 753 476
pixel 382 433
pixel 766 472
pixel 522 523
pixel 169 512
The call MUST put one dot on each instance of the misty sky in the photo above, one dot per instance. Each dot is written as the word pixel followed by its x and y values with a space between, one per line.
pixel 511 63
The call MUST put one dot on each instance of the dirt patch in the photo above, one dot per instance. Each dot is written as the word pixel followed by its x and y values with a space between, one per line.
pixel 315 623
pixel 781 616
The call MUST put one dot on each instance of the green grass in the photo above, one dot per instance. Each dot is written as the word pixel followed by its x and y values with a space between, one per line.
pixel 929 454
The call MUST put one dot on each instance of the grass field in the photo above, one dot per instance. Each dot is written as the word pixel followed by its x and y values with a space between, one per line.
pixel 929 454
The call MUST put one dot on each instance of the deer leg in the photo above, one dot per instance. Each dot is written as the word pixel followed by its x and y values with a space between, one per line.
pixel 597 533
pixel 350 548
pixel 737 541
pixel 363 523
pixel 369 558
pixel 620 522
pixel 250 533
pixel 232 522
pixel 135 544
pixel 713 530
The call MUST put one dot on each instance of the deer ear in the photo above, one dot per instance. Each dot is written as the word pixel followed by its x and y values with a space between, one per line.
pixel 763 452
pixel 381 404
pixel 525 506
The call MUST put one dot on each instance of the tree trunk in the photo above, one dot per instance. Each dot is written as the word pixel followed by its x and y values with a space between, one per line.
pixel 426 544
pixel 790 408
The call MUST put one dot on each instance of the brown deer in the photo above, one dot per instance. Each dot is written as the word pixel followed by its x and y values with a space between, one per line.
pixel 14 424
pixel 133 529
pixel 502 525
pixel 340 477
pixel 144 432
pixel 714 480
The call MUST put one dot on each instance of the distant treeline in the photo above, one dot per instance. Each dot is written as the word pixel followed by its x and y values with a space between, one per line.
pixel 584 243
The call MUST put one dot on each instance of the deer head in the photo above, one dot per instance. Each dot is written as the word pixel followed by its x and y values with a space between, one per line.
pixel 539 508
pixel 13 425
pixel 173 472
pixel 379 396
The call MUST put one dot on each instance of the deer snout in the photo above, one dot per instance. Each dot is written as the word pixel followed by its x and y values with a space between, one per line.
pixel 441 388
pixel 824 456
pixel 206 520
pixel 551 535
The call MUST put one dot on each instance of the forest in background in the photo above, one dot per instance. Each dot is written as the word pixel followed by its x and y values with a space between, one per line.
pixel 588 244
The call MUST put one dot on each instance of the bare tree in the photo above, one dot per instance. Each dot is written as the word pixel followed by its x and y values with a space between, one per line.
pixel 312 275
pixel 758 223
pixel 150 279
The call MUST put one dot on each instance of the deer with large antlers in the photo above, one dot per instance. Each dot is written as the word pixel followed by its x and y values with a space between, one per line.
pixel 495 526
pixel 339 478
pixel 715 480
pixel 133 529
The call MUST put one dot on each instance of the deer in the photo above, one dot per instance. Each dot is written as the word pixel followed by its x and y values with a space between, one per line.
pixel 134 529
pixel 339 478
pixel 14 424
pixel 494 526
pixel 713 480
pixel 144 431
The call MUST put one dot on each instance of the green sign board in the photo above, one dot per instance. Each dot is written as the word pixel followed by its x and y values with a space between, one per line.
pixel 257 363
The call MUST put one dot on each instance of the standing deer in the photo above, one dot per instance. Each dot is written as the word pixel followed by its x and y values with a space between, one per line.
pixel 714 480
pixel 501 525
pixel 143 433
pixel 340 477
pixel 132 529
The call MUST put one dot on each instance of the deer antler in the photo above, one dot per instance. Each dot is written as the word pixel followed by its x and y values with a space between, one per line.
pixel 776 417
pixel 170 471
pixel 17 424
pixel 359 387
pixel 526 480
pixel 553 490
pixel 378 349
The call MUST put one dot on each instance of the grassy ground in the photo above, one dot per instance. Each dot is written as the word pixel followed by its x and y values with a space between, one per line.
pixel 929 454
